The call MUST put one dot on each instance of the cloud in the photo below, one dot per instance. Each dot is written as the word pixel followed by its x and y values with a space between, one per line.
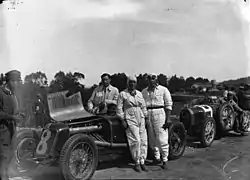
pixel 100 8
pixel 33 22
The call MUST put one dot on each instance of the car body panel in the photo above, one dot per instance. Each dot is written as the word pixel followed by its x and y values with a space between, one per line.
pixel 193 117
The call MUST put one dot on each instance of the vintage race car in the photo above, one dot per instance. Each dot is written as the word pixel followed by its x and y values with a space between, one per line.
pixel 205 121
pixel 73 137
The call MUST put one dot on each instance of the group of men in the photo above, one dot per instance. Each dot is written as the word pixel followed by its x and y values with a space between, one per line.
pixel 145 116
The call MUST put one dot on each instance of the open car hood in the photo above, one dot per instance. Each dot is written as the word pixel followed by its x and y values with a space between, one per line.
pixel 64 108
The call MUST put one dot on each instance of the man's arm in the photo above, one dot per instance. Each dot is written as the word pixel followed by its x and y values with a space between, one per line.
pixel 235 106
pixel 119 109
pixel 143 106
pixel 115 95
pixel 91 99
pixel 168 103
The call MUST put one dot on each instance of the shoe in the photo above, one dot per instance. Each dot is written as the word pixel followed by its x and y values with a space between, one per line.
pixel 137 168
pixel 237 130
pixel 156 161
pixel 164 165
pixel 144 168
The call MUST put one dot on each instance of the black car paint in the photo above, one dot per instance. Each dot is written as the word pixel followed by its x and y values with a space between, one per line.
pixel 192 119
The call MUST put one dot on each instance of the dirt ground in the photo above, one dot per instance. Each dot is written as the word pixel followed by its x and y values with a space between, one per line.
pixel 227 159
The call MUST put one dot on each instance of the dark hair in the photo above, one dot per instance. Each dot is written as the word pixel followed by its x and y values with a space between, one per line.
pixel 106 74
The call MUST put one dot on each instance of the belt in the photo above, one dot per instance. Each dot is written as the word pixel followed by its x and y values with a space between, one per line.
pixel 155 107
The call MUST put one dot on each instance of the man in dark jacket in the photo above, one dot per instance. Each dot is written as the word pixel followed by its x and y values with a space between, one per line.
pixel 9 116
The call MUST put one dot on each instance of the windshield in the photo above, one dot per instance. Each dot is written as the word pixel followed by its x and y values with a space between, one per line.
pixel 64 108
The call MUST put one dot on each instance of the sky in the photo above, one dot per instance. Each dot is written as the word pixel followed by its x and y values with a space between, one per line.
pixel 207 38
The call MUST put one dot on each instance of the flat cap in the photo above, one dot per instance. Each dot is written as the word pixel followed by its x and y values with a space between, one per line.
pixel 13 75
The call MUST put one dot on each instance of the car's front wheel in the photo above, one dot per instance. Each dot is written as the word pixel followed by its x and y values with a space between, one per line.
pixel 226 117
pixel 208 132
pixel 177 140
pixel 79 158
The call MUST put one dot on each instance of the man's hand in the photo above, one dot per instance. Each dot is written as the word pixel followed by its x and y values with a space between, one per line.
pixel 102 105
pixel 124 124
pixel 94 110
pixel 17 118
pixel 167 124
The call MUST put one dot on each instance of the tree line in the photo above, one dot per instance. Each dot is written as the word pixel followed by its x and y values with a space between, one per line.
pixel 38 83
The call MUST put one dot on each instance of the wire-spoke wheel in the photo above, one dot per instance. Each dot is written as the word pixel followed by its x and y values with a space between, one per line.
pixel 177 140
pixel 208 131
pixel 25 143
pixel 226 117
pixel 245 121
pixel 79 158
pixel 26 149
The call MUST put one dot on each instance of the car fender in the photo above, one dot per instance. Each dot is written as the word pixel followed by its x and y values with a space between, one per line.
pixel 23 133
pixel 52 139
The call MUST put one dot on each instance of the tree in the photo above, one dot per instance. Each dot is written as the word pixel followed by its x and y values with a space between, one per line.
pixel 119 80
pixel 142 81
pixel 189 82
pixel 163 80
pixel 38 78
pixel 66 81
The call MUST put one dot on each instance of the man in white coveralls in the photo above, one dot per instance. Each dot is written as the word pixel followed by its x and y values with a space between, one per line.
pixel 159 104
pixel 131 108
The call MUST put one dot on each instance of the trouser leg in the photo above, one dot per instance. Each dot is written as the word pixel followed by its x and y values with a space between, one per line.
pixel 161 135
pixel 133 137
pixel 143 144
pixel 152 141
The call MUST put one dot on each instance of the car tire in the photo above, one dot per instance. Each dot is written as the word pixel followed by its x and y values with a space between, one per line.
pixel 245 121
pixel 222 124
pixel 68 149
pixel 20 141
pixel 177 133
pixel 205 124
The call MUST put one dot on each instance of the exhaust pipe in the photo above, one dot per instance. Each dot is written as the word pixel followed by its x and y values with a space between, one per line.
pixel 110 145
pixel 84 129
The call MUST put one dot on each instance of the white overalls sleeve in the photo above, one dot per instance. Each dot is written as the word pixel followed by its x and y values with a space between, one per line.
pixel 143 106
pixel 119 109
pixel 168 103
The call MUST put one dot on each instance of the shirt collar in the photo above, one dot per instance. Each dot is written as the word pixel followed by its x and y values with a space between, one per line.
pixel 132 93
pixel 107 88
pixel 156 87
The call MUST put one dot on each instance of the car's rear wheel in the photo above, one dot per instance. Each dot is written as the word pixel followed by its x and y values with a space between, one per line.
pixel 226 117
pixel 177 140
pixel 79 158
pixel 25 142
pixel 208 132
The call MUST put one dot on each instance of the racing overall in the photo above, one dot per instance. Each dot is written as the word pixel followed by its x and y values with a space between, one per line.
pixel 156 101
pixel 133 110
